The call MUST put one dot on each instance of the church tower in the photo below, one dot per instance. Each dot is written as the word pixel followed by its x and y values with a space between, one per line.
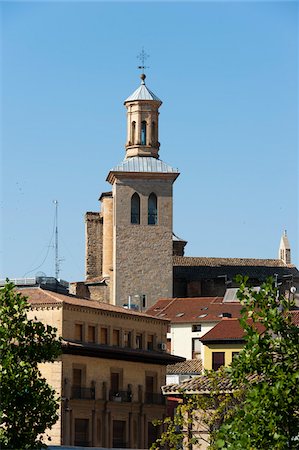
pixel 139 235
pixel 284 251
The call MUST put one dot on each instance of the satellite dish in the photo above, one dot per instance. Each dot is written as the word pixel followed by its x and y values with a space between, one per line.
pixel 40 274
pixel 293 289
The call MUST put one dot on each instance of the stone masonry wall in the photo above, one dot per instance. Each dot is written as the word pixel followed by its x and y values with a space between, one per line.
pixel 142 253
pixel 94 244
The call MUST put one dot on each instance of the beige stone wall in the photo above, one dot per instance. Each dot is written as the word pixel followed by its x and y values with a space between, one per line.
pixel 94 244
pixel 122 322
pixel 142 253
pixel 50 315
pixel 52 372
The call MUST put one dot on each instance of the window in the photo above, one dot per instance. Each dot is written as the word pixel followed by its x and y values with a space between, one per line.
pixel 138 340
pixel 196 327
pixel 115 337
pixel 196 347
pixel 77 378
pixel 104 336
pixel 91 333
pixel 81 432
pixel 119 434
pixel 143 132
pixel 133 132
pixel 152 209
pixel 127 339
pixel 217 360
pixel 114 382
pixel 78 332
pixel 135 209
pixel 150 342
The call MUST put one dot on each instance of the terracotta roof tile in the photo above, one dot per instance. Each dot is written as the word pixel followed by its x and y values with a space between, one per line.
pixel 295 317
pixel 191 366
pixel 39 297
pixel 213 261
pixel 202 385
pixel 228 329
pixel 194 310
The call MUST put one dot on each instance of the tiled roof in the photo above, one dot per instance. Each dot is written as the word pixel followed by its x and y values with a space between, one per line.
pixel 229 329
pixel 202 385
pixel 40 297
pixel 212 262
pixel 190 367
pixel 295 317
pixel 194 310
pixel 192 268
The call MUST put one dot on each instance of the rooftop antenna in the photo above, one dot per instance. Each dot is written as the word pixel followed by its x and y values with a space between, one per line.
pixel 56 240
pixel 142 56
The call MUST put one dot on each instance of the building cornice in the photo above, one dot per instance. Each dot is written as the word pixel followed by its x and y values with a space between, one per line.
pixel 119 353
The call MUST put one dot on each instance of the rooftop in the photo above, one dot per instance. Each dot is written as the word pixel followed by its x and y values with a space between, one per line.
pixel 202 385
pixel 229 330
pixel 39 297
pixel 143 93
pixel 188 367
pixel 194 310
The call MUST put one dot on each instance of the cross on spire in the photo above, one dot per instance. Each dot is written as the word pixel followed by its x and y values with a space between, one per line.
pixel 142 56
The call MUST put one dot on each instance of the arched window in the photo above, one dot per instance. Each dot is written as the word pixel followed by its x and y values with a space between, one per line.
pixel 143 132
pixel 135 209
pixel 133 132
pixel 152 209
pixel 154 139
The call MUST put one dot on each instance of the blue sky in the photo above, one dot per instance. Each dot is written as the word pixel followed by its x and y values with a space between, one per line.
pixel 227 75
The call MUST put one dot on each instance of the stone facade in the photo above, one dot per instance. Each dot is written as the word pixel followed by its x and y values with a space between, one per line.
pixel 130 261
pixel 109 374
pixel 94 244
pixel 143 253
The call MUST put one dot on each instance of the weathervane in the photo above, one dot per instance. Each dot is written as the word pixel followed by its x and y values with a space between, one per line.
pixel 143 57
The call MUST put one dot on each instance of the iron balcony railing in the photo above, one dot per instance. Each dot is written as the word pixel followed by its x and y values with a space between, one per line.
pixel 154 399
pixel 120 396
pixel 83 393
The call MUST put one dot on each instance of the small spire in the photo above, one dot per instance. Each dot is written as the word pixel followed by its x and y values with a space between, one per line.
pixel 285 232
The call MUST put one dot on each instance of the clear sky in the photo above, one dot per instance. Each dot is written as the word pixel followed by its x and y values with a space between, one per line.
pixel 227 75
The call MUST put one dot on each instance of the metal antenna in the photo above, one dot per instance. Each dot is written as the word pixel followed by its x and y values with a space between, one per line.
pixel 56 240
pixel 143 57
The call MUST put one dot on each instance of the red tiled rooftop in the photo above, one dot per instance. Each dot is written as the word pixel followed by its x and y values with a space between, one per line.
pixel 214 261
pixel 295 317
pixel 195 309
pixel 229 329
pixel 39 297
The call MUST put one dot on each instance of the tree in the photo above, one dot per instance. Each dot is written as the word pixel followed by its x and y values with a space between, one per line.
pixel 262 411
pixel 268 417
pixel 28 404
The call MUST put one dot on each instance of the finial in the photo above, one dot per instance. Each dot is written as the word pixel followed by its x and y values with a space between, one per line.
pixel 285 232
pixel 143 57
pixel 143 77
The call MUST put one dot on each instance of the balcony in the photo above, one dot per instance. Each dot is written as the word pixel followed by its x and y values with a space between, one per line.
pixel 154 399
pixel 120 396
pixel 83 393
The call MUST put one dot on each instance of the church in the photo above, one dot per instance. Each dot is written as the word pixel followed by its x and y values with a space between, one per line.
pixel 133 258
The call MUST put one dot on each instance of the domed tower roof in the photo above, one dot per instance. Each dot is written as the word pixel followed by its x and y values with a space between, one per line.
pixel 143 93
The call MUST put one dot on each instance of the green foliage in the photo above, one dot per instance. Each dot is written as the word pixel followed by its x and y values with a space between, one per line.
pixel 269 415
pixel 28 405
pixel 263 410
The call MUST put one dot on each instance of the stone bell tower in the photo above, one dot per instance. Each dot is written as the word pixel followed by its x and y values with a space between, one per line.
pixel 141 251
